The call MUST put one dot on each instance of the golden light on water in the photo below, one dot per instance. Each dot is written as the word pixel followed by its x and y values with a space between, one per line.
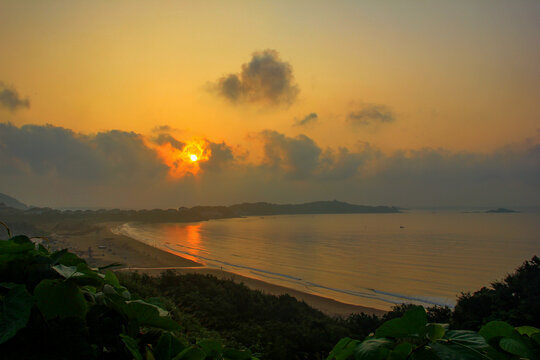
pixel 187 237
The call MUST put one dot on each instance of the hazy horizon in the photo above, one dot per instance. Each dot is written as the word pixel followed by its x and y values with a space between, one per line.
pixel 167 104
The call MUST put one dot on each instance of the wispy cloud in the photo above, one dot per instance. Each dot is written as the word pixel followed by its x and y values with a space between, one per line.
pixel 369 114
pixel 10 98
pixel 307 120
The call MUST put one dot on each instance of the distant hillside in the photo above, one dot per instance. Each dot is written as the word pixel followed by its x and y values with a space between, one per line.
pixel 11 202
pixel 317 207
pixel 183 214
pixel 501 211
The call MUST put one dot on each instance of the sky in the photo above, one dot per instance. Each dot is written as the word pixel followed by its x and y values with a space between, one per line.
pixel 424 103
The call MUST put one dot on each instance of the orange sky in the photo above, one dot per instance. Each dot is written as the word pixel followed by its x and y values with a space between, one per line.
pixel 460 75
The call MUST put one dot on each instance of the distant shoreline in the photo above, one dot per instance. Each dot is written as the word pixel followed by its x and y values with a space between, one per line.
pixel 195 213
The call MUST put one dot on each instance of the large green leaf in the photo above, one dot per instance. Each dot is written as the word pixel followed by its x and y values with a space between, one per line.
pixel 424 353
pixel 80 273
pixel 461 344
pixel 373 349
pixel 67 271
pixel 191 353
pixel 11 247
pixel 212 348
pixel 70 259
pixel 401 351
pixel 132 346
pixel 42 249
pixel 466 338
pixel 233 354
pixel 162 350
pixel 435 332
pixel 528 330
pixel 168 347
pixel 343 349
pixel 21 239
pixel 449 351
pixel 14 310
pixel 111 279
pixel 516 347
pixel 57 255
pixel 412 323
pixel 496 329
pixel 149 315
pixel 57 298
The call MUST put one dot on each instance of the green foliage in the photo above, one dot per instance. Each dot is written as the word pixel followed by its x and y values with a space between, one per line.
pixel 15 312
pixel 54 306
pixel 61 306
pixel 412 337
pixel 277 327
pixel 515 300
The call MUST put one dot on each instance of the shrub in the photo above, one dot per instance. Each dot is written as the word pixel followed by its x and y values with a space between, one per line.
pixel 54 306
pixel 515 300
pixel 412 337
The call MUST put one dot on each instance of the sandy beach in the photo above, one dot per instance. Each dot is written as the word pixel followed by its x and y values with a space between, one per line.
pixel 100 246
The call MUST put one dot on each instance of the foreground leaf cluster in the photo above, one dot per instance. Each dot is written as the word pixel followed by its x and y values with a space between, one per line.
pixel 54 306
pixel 412 337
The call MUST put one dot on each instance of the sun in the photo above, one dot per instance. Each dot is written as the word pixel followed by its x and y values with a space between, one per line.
pixel 186 159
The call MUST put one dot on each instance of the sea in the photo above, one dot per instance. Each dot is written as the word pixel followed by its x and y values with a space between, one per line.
pixel 377 260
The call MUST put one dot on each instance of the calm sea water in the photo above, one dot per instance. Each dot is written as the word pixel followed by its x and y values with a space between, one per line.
pixel 367 259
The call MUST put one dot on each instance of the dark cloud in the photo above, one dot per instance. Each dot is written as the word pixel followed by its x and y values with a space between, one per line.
pixel 307 120
pixel 301 158
pixel 55 151
pixel 162 128
pixel 221 157
pixel 265 79
pixel 162 135
pixel 371 114
pixel 55 166
pixel 425 177
pixel 297 157
pixel 437 177
pixel 164 138
pixel 10 98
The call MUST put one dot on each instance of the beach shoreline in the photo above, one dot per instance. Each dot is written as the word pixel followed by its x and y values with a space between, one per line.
pixel 100 245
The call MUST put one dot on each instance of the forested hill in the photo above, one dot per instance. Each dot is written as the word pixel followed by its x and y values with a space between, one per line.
pixel 11 202
pixel 183 214
pixel 317 207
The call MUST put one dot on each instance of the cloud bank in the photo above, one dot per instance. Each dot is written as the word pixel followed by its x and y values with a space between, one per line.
pixel 54 166
pixel 266 79
pixel 10 98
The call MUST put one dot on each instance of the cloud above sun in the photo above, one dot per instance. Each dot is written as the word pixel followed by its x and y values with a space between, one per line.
pixel 265 80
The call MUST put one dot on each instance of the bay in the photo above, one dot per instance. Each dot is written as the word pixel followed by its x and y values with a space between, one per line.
pixel 375 260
